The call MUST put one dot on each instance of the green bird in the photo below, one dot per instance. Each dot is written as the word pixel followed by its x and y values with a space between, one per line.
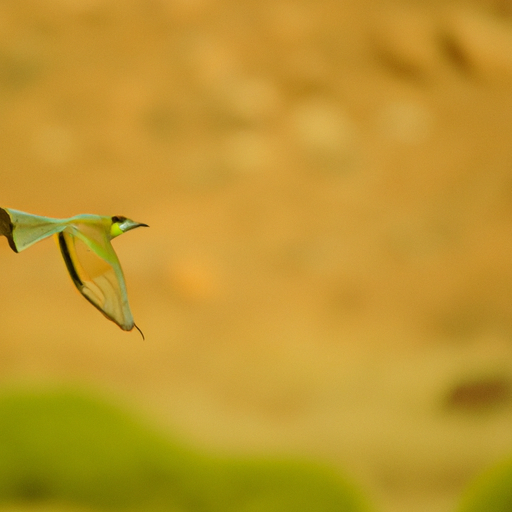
pixel 84 241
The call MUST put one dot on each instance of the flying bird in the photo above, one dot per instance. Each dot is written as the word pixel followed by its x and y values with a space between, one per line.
pixel 84 242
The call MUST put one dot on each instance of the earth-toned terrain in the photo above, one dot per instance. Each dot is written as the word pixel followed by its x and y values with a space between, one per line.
pixel 328 271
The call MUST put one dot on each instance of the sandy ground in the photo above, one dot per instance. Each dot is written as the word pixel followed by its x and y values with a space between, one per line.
pixel 329 188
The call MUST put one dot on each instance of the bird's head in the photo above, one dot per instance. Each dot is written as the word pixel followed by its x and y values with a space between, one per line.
pixel 121 225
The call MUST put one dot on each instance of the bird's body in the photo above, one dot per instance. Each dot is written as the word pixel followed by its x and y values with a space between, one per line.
pixel 84 241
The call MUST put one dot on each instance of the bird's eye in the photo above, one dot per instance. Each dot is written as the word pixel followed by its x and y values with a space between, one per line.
pixel 118 219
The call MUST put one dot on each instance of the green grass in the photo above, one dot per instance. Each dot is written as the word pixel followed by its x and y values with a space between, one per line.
pixel 491 491
pixel 69 447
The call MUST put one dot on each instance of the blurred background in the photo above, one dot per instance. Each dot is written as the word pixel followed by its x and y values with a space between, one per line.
pixel 328 272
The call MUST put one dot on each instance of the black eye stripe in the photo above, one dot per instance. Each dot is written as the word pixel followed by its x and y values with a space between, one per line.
pixel 118 218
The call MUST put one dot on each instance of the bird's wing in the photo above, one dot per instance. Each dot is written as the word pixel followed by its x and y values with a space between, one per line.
pixel 96 271
pixel 24 229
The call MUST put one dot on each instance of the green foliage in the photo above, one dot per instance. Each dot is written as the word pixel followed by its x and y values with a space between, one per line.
pixel 492 491
pixel 68 447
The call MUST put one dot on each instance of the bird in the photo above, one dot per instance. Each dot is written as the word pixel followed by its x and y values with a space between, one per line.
pixel 85 244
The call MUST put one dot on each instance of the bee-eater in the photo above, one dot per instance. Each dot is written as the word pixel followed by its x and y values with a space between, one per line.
pixel 84 241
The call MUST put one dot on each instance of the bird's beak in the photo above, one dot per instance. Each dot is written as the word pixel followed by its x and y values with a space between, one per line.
pixel 131 224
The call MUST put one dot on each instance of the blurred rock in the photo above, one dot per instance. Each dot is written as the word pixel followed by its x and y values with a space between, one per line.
pixel 405 121
pixel 20 66
pixel 479 44
pixel 477 394
pixel 323 133
pixel 404 38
